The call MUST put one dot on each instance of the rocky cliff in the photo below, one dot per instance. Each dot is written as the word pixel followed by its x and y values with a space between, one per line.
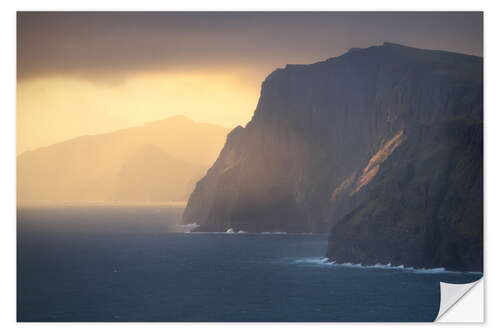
pixel 382 147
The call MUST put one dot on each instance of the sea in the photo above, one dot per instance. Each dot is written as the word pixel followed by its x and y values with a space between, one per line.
pixel 134 264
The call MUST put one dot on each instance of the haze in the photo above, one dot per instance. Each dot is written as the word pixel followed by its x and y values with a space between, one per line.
pixel 159 162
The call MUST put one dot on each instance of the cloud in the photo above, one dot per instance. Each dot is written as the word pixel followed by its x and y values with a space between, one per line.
pixel 111 45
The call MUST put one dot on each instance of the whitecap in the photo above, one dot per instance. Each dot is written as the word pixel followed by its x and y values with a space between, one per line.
pixel 319 260
pixel 326 261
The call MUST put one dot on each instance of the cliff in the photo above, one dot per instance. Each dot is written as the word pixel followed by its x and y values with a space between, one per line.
pixel 381 147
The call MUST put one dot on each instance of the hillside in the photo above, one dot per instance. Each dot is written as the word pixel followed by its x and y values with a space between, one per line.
pixel 103 167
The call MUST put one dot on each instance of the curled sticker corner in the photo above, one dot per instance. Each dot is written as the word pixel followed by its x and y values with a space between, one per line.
pixel 451 293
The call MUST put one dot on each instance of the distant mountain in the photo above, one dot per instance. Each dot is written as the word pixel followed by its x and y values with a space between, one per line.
pixel 381 147
pixel 159 161
pixel 152 175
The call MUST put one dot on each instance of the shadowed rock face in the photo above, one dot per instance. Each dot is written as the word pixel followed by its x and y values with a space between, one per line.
pixel 381 147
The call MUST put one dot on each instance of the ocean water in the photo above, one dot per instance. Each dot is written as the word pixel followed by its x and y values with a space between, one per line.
pixel 129 264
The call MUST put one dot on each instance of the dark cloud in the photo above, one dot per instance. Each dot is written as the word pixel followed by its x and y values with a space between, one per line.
pixel 101 44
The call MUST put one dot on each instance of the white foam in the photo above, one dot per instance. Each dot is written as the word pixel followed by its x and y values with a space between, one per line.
pixel 190 225
pixel 186 228
pixel 318 261
pixel 325 261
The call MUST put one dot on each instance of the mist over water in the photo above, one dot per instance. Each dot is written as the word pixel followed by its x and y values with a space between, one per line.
pixel 99 219
pixel 127 264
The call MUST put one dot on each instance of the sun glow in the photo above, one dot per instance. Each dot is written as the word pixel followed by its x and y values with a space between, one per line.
pixel 52 109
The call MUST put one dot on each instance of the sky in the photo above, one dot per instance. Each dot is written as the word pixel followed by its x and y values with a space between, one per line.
pixel 81 73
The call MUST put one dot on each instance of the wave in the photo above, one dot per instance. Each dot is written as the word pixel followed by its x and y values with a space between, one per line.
pixel 190 225
pixel 324 261
pixel 186 228
pixel 212 232
pixel 248 232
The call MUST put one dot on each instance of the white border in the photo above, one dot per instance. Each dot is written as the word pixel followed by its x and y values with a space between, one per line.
pixel 7 222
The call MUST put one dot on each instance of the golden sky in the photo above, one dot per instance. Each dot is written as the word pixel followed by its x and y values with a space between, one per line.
pixel 53 109
pixel 83 73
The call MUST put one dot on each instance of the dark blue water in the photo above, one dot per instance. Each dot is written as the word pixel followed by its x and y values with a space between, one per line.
pixel 126 264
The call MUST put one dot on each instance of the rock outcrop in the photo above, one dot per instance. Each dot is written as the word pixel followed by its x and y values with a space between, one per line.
pixel 381 147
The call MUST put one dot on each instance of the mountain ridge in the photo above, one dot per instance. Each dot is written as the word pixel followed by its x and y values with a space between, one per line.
pixel 87 168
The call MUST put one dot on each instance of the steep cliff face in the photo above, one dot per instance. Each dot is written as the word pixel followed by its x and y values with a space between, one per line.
pixel 382 146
